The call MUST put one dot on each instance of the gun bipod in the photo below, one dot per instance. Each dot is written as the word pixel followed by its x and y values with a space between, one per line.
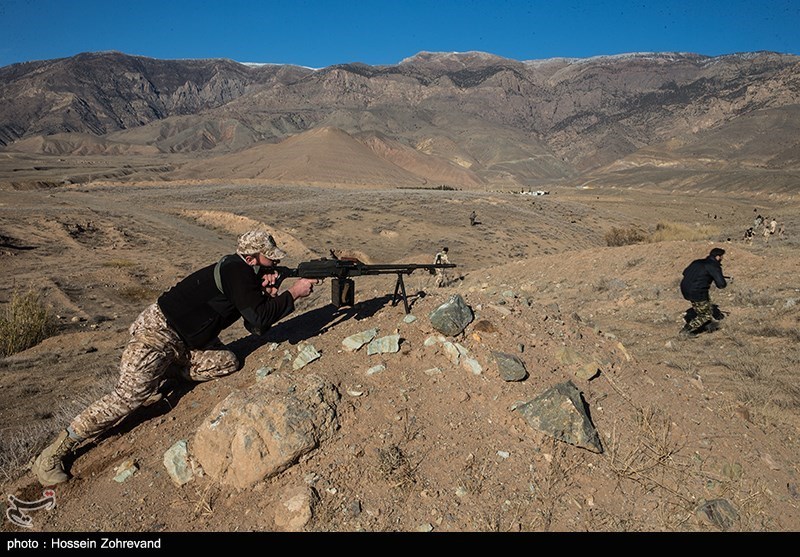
pixel 400 286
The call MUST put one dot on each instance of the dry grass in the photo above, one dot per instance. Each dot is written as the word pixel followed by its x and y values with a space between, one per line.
pixel 119 263
pixel 550 485
pixel 650 457
pixel 776 331
pixel 18 447
pixel 652 448
pixel 655 461
pixel 729 480
pixel 395 467
pixel 474 475
pixel 24 322
pixel 205 499
pixel 664 232
pixel 672 231
pixel 549 496
pixel 765 381
pixel 605 284
pixel 753 298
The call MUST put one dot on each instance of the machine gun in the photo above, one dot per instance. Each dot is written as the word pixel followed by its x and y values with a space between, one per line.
pixel 340 270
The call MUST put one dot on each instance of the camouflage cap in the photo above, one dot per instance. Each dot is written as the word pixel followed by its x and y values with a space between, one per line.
pixel 256 241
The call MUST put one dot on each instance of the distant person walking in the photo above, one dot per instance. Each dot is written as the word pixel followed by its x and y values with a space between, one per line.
pixel 441 257
pixel 695 286
pixel 473 219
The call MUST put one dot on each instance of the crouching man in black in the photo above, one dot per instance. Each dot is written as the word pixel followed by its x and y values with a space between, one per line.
pixel 695 286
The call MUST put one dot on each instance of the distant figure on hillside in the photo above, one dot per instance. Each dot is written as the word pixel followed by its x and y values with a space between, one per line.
pixel 180 332
pixel 748 235
pixel 695 286
pixel 758 220
pixel 473 219
pixel 773 224
pixel 441 257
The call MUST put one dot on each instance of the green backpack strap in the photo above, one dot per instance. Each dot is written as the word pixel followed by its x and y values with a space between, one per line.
pixel 217 278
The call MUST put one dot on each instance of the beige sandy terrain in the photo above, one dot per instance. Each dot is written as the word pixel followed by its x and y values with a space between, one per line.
pixel 425 444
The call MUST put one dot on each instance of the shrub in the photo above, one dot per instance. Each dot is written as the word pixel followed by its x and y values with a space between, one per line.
pixel 137 293
pixel 634 262
pixel 624 236
pixel 24 322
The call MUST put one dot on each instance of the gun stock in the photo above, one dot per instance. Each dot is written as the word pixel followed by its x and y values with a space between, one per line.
pixel 340 270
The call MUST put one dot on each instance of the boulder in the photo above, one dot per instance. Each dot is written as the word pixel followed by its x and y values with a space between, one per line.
pixel 452 317
pixel 260 431
pixel 560 412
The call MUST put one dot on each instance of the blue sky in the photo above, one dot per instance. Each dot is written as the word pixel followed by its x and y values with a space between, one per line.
pixel 319 33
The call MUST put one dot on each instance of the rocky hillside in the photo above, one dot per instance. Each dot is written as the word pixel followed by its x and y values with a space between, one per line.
pixel 472 117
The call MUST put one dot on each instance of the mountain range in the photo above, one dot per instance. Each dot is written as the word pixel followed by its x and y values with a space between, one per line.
pixel 466 120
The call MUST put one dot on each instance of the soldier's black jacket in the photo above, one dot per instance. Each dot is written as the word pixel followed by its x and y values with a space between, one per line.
pixel 698 276
pixel 198 311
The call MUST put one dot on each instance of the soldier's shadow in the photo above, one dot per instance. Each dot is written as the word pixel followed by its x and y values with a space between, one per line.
pixel 316 322
pixel 301 327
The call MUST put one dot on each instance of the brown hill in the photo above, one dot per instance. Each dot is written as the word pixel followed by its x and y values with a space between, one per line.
pixel 324 155
pixel 435 170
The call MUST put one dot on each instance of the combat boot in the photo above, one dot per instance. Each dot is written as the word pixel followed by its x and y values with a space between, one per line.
pixel 49 466
pixel 687 332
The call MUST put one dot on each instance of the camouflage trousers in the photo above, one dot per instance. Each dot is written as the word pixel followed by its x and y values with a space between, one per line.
pixel 703 314
pixel 441 280
pixel 153 348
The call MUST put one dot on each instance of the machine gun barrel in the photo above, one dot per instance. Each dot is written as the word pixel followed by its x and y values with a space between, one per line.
pixel 343 268
pixel 340 270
